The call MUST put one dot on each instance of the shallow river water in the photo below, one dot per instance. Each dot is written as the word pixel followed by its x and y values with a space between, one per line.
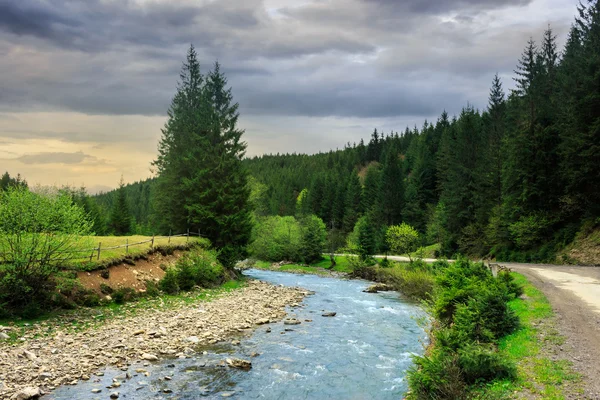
pixel 361 353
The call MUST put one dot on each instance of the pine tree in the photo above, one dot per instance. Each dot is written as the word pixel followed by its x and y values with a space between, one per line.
pixel 353 209
pixel 201 142
pixel 392 189
pixel 120 217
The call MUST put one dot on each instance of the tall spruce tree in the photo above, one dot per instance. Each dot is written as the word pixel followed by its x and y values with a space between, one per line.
pixel 203 185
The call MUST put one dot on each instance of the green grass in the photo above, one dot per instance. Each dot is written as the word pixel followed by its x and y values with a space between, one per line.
pixel 82 319
pixel 539 376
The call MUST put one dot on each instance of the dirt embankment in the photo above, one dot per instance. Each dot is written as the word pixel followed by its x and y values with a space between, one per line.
pixel 132 275
pixel 42 361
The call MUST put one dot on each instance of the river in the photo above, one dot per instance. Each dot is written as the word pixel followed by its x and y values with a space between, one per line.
pixel 361 353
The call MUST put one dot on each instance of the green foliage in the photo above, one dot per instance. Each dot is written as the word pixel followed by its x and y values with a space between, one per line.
pixel 402 239
pixel 313 238
pixel 366 238
pixel 37 232
pixel 202 184
pixel 472 311
pixel 120 218
pixel 276 239
pixel 196 268
pixel 124 295
pixel 529 230
pixel 170 282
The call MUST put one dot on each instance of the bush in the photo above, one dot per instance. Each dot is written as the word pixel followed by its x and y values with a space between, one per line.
pixel 196 268
pixel 35 231
pixel 124 295
pixel 170 282
pixel 479 364
pixel 471 308
pixel 437 376
pixel 276 239
pixel 152 289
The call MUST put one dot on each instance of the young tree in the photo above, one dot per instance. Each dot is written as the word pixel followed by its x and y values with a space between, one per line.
pixel 202 182
pixel 403 239
pixel 313 238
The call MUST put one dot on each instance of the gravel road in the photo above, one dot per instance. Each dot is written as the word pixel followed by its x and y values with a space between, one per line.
pixel 574 293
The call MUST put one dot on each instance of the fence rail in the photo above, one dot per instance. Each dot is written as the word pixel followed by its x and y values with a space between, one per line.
pixel 97 251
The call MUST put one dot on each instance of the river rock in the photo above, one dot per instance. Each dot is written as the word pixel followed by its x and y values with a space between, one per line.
pixel 27 393
pixel 291 321
pixel 262 321
pixel 114 395
pixel 4 336
pixel 193 339
pixel 149 357
pixel 238 363
pixel 30 356
pixel 378 287
pixel 329 314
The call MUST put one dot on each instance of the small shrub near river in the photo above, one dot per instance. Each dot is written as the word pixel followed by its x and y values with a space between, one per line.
pixel 470 308
pixel 196 268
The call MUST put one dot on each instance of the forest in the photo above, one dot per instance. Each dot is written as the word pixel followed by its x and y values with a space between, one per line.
pixel 515 181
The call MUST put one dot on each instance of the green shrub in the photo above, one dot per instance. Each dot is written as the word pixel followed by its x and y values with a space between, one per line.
pixel 385 263
pixel 196 268
pixel 152 289
pixel 276 238
pixel 105 289
pixel 170 282
pixel 479 364
pixel 124 295
pixel 437 376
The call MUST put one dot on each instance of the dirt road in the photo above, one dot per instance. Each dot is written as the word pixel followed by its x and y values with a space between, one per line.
pixel 574 293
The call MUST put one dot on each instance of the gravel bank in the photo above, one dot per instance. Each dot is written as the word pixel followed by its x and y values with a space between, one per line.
pixel 64 358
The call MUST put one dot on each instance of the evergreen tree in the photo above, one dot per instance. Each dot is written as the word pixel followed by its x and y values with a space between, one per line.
pixel 353 209
pixel 201 142
pixel 392 189
pixel 120 218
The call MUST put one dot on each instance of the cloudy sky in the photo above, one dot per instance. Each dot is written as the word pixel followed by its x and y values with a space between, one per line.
pixel 85 85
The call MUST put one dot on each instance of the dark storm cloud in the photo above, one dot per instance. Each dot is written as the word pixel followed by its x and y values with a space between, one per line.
pixel 349 58
pixel 441 6
pixel 58 158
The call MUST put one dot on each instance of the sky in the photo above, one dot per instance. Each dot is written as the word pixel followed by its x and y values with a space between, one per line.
pixel 85 85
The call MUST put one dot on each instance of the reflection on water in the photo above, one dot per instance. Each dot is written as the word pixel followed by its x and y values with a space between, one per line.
pixel 361 353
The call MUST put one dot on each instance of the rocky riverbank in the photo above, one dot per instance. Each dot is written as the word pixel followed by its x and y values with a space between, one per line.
pixel 39 362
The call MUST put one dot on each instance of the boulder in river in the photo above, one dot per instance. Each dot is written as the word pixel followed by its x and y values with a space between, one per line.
pixel 329 314
pixel 238 363
pixel 379 287
pixel 291 321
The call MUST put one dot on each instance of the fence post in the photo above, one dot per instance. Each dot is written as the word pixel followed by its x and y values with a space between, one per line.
pixel 91 255
pixel 187 238
pixel 199 236
pixel 169 242
pixel 127 246
pixel 152 244
pixel 99 245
